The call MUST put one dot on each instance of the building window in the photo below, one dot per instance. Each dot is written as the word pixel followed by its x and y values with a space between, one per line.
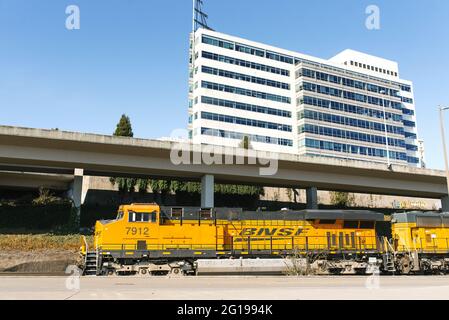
pixel 252 137
pixel 354 149
pixel 245 121
pixel 245 106
pixel 243 77
pixel 245 92
pixel 244 63
pixel 350 135
pixel 353 122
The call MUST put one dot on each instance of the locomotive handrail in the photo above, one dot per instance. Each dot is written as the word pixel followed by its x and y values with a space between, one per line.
pixel 252 244
pixel 436 245
pixel 86 245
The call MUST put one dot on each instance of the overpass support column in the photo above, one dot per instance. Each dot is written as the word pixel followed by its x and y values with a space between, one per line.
pixel 312 198
pixel 445 204
pixel 76 191
pixel 207 191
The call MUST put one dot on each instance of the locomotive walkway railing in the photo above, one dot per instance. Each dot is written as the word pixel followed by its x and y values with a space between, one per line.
pixel 426 245
pixel 262 244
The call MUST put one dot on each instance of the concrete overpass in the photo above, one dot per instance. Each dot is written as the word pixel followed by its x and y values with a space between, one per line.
pixel 30 180
pixel 78 154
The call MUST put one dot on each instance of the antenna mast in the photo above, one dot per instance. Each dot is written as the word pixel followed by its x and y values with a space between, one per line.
pixel 199 18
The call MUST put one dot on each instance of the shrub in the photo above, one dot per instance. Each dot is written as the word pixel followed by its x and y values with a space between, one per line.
pixel 35 217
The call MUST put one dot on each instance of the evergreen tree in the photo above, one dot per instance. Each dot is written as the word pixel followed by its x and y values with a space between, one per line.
pixel 245 143
pixel 342 199
pixel 124 128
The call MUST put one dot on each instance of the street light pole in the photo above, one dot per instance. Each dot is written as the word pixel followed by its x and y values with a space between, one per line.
pixel 386 130
pixel 443 136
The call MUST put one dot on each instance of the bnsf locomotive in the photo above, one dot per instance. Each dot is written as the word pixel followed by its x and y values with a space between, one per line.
pixel 148 239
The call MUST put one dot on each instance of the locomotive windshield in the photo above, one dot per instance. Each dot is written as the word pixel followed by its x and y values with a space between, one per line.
pixel 119 215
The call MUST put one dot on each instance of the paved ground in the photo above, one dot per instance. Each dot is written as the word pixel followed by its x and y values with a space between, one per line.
pixel 225 288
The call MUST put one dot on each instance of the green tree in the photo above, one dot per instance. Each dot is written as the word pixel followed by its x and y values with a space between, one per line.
pixel 341 199
pixel 245 143
pixel 161 189
pixel 192 190
pixel 124 127
pixel 45 198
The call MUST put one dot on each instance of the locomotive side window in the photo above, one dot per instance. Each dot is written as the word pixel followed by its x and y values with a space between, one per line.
pixel 206 214
pixel 177 213
pixel 327 221
pixel 366 224
pixel 350 224
pixel 141 216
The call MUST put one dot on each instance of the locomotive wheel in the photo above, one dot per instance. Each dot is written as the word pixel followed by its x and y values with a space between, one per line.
pixel 176 272
pixel 405 265
pixel 143 271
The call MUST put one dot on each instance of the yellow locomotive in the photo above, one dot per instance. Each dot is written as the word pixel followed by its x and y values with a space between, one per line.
pixel 421 242
pixel 148 239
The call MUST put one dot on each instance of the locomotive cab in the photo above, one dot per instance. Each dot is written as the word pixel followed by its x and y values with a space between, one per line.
pixel 132 227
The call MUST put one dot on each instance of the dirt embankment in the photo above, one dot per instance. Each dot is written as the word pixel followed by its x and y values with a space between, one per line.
pixel 44 261
pixel 43 253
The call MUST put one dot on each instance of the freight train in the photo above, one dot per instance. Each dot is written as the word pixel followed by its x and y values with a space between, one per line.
pixel 147 239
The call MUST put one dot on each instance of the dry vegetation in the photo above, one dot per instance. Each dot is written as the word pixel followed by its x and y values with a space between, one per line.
pixel 47 253
pixel 40 242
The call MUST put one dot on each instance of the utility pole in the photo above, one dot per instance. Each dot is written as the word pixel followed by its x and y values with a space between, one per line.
pixel 386 130
pixel 442 109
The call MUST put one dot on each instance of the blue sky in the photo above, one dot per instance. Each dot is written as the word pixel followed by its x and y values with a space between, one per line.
pixel 131 56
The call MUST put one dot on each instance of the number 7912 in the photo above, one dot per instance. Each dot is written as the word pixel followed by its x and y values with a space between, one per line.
pixel 137 231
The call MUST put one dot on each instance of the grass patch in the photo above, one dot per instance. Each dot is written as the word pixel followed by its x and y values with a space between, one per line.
pixel 40 242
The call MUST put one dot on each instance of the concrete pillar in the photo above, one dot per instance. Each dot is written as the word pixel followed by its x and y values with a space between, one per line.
pixel 312 198
pixel 207 191
pixel 76 190
pixel 445 204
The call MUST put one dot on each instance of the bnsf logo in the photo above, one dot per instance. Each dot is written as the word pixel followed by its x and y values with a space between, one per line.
pixel 270 232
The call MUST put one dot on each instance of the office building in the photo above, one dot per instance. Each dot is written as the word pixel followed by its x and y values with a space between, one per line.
pixel 352 106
